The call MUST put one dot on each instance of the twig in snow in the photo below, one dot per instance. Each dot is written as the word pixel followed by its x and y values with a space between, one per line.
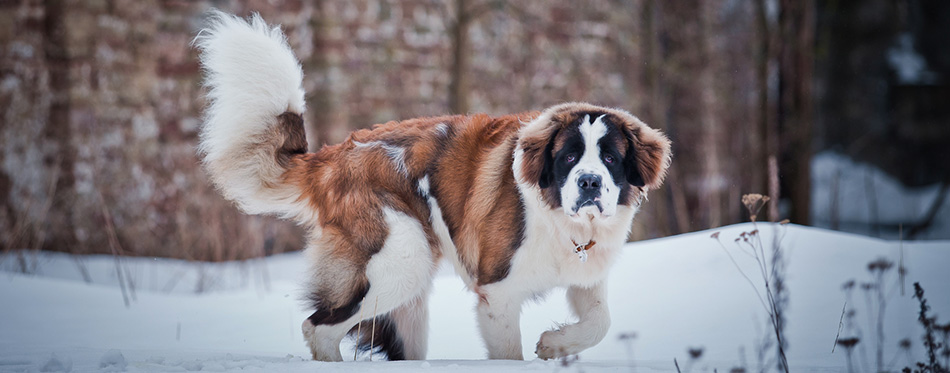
pixel 840 323
pixel 900 266
pixel 372 335
pixel 116 249
pixel 359 327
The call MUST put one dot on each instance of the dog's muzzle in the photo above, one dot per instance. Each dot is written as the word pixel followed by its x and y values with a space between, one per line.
pixel 589 187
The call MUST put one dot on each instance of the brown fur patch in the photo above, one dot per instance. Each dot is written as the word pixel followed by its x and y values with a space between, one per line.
pixel 501 228
pixel 468 160
pixel 476 192
pixel 290 126
pixel 349 185
pixel 535 144
pixel 652 154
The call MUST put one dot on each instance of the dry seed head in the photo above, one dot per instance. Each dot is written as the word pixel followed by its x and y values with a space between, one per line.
pixel 848 342
pixel 754 202
pixel 881 264
pixel 695 352
pixel 626 336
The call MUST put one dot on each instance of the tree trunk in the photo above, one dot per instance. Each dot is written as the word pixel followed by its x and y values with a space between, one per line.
pixel 320 100
pixel 795 114
pixel 712 131
pixel 458 87
pixel 764 135
pixel 650 107
pixel 58 133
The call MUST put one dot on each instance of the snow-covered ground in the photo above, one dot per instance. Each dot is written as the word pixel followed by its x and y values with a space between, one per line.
pixel 674 293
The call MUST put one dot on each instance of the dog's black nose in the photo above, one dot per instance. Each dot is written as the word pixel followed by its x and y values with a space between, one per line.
pixel 589 182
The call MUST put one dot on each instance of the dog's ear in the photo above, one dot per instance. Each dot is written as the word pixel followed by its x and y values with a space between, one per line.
pixel 547 170
pixel 648 155
pixel 537 162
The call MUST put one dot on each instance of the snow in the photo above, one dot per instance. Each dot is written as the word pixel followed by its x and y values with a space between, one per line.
pixel 113 361
pixel 859 196
pixel 673 293
pixel 909 65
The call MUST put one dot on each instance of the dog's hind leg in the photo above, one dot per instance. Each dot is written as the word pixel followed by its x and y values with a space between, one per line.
pixel 324 339
pixel 412 326
pixel 400 272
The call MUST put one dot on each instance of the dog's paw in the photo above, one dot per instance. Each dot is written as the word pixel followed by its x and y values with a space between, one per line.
pixel 551 345
pixel 308 330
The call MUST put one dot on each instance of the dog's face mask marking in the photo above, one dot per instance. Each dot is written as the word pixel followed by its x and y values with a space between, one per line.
pixel 586 164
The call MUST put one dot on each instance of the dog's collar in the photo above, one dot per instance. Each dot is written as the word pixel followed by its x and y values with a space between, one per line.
pixel 581 249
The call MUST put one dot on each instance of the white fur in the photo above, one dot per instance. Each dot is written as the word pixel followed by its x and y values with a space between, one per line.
pixel 546 260
pixel 589 305
pixel 590 163
pixel 449 250
pixel 499 316
pixel 423 186
pixel 396 154
pixel 412 326
pixel 442 129
pixel 252 77
pixel 399 274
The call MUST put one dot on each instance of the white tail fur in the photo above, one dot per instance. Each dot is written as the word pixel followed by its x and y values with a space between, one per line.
pixel 252 77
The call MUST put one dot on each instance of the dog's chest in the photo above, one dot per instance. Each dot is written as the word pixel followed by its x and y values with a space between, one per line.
pixel 572 270
pixel 546 263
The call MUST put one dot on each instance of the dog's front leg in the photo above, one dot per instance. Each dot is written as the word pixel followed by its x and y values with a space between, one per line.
pixel 499 315
pixel 590 307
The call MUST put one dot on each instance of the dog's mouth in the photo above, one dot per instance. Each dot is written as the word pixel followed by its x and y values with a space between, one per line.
pixel 588 203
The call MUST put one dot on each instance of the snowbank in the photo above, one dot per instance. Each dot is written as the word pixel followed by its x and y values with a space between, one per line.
pixel 859 198
pixel 674 293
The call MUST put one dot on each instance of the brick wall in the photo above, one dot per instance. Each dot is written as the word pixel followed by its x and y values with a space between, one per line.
pixel 101 102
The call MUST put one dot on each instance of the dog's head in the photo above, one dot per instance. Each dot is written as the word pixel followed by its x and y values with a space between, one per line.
pixel 587 160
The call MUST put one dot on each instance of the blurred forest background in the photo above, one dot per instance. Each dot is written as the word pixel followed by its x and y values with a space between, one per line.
pixel 101 103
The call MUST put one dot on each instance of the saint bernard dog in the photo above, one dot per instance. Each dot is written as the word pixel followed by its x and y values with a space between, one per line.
pixel 519 204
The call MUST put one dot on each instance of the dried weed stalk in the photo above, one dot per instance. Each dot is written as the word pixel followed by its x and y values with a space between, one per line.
pixel 771 269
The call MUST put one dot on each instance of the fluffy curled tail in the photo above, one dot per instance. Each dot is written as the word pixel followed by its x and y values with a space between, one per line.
pixel 253 126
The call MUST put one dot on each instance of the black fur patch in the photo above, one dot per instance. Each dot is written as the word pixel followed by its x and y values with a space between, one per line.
pixel 385 339
pixel 332 316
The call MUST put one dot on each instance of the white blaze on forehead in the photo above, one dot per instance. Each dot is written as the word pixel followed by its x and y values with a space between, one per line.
pixel 592 133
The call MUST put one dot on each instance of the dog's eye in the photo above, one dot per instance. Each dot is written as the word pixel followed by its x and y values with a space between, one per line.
pixel 570 158
pixel 609 158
